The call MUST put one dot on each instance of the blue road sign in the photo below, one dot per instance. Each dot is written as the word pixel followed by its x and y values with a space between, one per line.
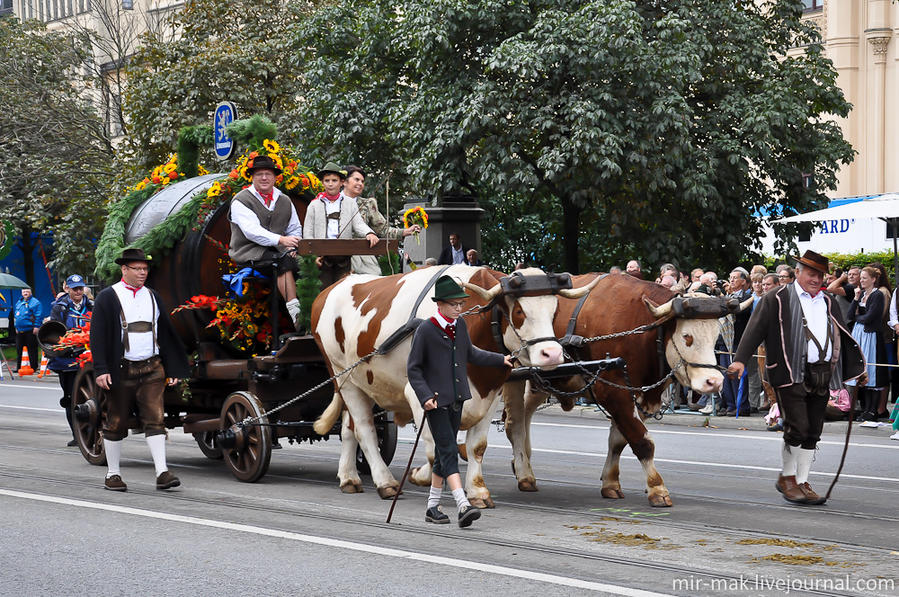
pixel 224 114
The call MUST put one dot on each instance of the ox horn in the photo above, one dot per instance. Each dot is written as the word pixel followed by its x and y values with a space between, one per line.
pixel 487 295
pixel 658 311
pixel 576 293
pixel 746 304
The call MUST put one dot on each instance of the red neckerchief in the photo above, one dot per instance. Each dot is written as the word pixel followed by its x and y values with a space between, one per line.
pixel 131 288
pixel 331 198
pixel 267 198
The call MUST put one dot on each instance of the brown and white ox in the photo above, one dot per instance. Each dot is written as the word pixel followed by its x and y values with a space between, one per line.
pixel 356 315
pixel 619 303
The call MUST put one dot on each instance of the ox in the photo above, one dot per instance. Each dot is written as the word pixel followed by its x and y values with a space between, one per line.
pixel 356 315
pixel 688 328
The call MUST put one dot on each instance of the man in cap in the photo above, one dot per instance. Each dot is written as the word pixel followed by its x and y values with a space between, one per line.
pixel 264 226
pixel 809 352
pixel 438 374
pixel 135 349
pixel 332 214
pixel 73 310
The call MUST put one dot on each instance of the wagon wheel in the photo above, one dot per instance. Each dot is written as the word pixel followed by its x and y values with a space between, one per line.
pixel 249 459
pixel 386 431
pixel 88 416
pixel 206 441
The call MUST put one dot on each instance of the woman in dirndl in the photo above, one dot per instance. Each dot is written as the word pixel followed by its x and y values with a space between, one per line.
pixel 866 311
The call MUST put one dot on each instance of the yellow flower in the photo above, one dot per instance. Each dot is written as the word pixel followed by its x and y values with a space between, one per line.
pixel 170 167
pixel 292 182
pixel 215 190
pixel 201 170
pixel 141 185
pixel 313 180
pixel 271 146
pixel 243 173
pixel 277 159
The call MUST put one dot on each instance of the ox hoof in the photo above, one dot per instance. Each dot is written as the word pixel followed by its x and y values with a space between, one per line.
pixel 660 501
pixel 612 493
pixel 352 487
pixel 527 485
pixel 480 503
pixel 488 502
pixel 413 478
pixel 388 492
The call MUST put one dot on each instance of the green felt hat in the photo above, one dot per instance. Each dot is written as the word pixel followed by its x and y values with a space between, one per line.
pixel 447 289
pixel 332 168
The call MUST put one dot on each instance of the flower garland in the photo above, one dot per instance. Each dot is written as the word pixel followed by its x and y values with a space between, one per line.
pixel 294 180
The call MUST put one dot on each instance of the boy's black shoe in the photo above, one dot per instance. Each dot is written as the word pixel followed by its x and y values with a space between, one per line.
pixel 467 515
pixel 436 516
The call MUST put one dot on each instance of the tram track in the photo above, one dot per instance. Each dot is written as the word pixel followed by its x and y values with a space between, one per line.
pixel 424 531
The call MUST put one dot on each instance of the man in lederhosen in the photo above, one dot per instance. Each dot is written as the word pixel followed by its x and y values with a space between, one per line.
pixel 264 224
pixel 809 352
pixel 135 349
pixel 438 373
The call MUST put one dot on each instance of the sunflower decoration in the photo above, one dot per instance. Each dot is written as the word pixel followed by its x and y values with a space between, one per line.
pixel 413 216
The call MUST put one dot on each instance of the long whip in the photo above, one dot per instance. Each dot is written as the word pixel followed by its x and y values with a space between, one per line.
pixel 421 428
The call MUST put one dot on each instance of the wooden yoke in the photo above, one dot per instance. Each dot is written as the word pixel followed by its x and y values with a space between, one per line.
pixel 346 247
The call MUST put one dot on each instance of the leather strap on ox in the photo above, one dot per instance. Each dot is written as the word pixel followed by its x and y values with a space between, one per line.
pixel 413 322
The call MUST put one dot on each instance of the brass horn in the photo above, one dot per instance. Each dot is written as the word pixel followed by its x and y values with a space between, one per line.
pixel 576 293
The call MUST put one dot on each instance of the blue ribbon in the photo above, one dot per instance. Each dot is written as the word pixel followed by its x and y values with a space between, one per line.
pixel 235 281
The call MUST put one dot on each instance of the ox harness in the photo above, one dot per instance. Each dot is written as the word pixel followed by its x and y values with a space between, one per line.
pixel 682 307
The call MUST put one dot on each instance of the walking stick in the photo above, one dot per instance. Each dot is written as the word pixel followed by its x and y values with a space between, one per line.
pixel 408 466
pixel 845 447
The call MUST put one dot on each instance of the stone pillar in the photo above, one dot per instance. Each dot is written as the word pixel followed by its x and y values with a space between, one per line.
pixel 877 33
pixel 461 215
pixel 842 42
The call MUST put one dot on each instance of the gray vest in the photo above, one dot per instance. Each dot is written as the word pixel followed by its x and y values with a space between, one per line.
pixel 242 249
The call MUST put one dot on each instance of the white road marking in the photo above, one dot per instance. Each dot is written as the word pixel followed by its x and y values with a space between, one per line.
pixel 410 439
pixel 48 410
pixel 715 433
pixel 341 544
pixel 51 388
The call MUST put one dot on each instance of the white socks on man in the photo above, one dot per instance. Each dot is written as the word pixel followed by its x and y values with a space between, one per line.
pixel 157 451
pixel 789 459
pixel 113 457
pixel 803 464
pixel 293 307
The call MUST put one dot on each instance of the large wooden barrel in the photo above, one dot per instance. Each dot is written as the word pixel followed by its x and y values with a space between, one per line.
pixel 195 265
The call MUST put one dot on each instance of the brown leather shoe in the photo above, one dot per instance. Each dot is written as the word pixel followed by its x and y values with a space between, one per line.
pixel 115 483
pixel 167 481
pixel 790 490
pixel 812 498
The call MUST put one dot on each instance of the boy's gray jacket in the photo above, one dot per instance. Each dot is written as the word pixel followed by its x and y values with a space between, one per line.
pixel 350 223
pixel 439 367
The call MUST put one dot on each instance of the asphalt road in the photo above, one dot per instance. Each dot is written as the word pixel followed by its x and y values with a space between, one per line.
pixel 293 532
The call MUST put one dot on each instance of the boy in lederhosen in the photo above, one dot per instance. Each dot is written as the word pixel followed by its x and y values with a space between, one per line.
pixel 437 370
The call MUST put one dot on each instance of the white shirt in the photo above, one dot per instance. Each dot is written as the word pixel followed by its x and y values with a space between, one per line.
pixel 894 316
pixel 815 310
pixel 443 321
pixel 138 306
pixel 458 255
pixel 330 208
pixel 249 224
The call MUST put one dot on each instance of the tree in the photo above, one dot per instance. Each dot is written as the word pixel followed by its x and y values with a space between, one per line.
pixel 56 159
pixel 667 124
pixel 232 51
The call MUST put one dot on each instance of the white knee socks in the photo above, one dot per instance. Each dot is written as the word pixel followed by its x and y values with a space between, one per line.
pixel 157 450
pixel 789 457
pixel 434 497
pixel 293 307
pixel 113 457
pixel 459 496
pixel 803 464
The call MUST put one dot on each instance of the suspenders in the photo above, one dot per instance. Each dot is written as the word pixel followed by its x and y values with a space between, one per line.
pixel 138 327
pixel 822 352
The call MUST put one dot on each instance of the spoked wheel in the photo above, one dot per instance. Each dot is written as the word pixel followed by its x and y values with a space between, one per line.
pixel 386 430
pixel 87 416
pixel 206 441
pixel 251 453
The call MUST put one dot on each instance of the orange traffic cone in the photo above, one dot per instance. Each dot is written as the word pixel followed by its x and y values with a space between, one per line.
pixel 44 363
pixel 25 368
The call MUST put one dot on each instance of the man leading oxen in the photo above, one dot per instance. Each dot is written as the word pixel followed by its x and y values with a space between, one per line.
pixel 360 313
pixel 632 319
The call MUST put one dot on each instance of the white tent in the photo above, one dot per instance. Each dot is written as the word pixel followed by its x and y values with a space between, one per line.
pixel 884 207
pixel 879 206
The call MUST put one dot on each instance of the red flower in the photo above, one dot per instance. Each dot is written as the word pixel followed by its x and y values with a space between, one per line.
pixel 234 174
pixel 173 175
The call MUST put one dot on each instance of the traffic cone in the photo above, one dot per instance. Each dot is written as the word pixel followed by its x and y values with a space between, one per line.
pixel 25 368
pixel 44 363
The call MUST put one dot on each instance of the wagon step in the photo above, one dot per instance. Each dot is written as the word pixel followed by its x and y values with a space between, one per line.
pixel 567 369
